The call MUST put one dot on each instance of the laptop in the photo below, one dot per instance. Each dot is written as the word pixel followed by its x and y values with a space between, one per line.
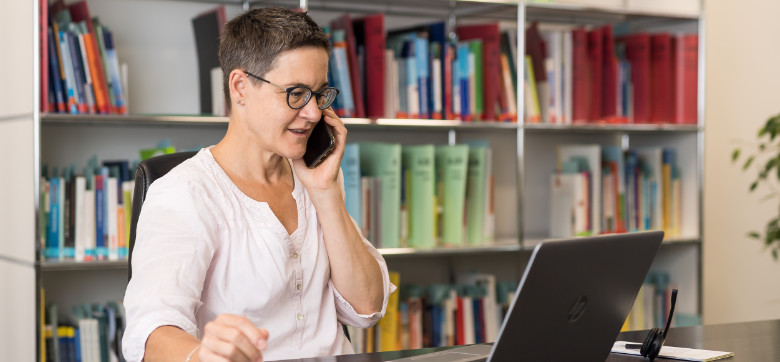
pixel 571 302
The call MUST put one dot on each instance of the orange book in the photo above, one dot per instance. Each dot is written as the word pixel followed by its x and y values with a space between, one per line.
pixel 96 72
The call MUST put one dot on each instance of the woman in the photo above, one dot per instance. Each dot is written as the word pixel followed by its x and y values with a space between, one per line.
pixel 242 252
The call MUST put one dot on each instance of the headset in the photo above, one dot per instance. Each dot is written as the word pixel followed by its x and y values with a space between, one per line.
pixel 655 338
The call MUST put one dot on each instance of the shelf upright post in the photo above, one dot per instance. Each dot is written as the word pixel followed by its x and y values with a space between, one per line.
pixel 520 96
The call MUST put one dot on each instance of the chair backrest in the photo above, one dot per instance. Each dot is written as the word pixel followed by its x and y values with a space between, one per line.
pixel 147 172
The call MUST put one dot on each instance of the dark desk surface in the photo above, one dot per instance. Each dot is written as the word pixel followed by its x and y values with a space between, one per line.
pixel 750 342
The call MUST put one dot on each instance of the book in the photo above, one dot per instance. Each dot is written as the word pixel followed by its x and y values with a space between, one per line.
pixel 383 160
pixel 350 167
pixel 661 85
pixel 389 323
pixel 590 157
pixel 419 178
pixel 369 33
pixel 344 23
pixel 207 27
pixel 451 176
pixel 476 192
pixel 488 67
pixel 639 55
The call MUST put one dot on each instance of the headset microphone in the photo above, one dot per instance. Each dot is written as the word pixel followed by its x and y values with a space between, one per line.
pixel 655 338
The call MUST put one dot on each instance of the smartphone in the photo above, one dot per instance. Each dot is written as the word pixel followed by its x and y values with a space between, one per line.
pixel 319 145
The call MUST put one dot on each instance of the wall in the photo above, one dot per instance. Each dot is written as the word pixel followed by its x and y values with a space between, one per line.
pixel 741 281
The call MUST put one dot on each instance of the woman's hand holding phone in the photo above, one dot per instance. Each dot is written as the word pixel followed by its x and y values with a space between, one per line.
pixel 324 176
pixel 232 338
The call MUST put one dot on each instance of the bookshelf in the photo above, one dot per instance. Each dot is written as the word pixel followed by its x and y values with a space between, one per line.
pixel 163 100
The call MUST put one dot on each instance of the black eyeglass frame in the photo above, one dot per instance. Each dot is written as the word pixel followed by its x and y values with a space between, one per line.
pixel 311 92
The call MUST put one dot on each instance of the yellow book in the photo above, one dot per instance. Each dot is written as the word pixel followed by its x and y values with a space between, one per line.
pixel 388 325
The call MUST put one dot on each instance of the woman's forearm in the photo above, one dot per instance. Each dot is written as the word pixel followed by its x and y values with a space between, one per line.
pixel 169 343
pixel 354 271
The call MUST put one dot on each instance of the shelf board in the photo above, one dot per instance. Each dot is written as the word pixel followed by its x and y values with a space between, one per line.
pixel 501 246
pixel 602 12
pixel 605 127
pixel 134 119
pixel 56 265
pixel 203 120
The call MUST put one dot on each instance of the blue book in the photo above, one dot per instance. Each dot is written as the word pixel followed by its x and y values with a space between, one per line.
pixel 463 75
pixel 100 216
pixel 78 71
pixel 53 225
pixel 350 166
pixel 412 88
pixel 70 81
pixel 55 77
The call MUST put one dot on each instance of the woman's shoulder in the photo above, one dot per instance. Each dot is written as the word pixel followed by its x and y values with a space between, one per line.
pixel 195 176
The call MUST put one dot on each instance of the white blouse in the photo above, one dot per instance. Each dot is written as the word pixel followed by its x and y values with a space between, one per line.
pixel 204 248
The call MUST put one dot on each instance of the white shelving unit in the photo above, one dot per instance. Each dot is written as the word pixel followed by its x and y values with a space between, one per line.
pixel 163 95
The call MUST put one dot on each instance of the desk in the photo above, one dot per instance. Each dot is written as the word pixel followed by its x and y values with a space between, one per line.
pixel 750 342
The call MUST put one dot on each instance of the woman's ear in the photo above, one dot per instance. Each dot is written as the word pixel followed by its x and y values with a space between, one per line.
pixel 237 82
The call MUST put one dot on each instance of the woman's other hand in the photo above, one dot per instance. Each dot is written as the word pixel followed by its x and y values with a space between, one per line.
pixel 232 338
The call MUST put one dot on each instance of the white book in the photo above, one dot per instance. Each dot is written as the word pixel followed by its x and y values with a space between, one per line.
pixel 449 317
pixel 217 93
pixel 468 321
pixel 390 88
pixel 568 205
pixel 111 218
pixel 436 82
pixel 568 75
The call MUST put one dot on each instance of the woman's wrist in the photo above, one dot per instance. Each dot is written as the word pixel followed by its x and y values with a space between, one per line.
pixel 192 353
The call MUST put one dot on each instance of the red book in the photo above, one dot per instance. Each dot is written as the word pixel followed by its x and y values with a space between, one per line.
pixel 369 34
pixel 638 54
pixel 460 333
pixel 688 73
pixel 609 107
pixel 580 77
pixel 491 64
pixel 447 65
pixel 345 23
pixel 596 66
pixel 661 80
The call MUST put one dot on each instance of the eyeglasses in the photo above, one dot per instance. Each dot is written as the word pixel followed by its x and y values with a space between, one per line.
pixel 298 97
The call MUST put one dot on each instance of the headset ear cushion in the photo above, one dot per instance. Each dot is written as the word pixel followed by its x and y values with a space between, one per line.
pixel 655 346
pixel 651 335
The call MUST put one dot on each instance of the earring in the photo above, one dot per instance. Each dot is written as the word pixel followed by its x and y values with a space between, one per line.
pixel 240 101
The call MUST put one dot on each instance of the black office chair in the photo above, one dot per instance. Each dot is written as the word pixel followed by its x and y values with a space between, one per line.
pixel 147 172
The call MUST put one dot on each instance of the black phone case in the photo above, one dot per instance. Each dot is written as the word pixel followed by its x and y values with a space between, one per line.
pixel 320 143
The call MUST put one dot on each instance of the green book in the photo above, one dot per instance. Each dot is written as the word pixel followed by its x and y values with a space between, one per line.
pixel 475 47
pixel 419 177
pixel 383 160
pixel 451 166
pixel 475 194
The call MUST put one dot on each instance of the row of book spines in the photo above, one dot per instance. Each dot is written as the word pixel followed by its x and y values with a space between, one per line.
pixel 450 315
pixel 93 335
pixel 420 196
pixel 364 68
pixel 601 189
pixel 652 305
pixel 86 220
pixel 593 76
pixel 83 68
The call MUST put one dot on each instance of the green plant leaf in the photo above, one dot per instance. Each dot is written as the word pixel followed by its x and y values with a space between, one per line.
pixel 747 163
pixel 753 186
pixel 762 147
pixel 735 155
pixel 774 254
pixel 754 235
